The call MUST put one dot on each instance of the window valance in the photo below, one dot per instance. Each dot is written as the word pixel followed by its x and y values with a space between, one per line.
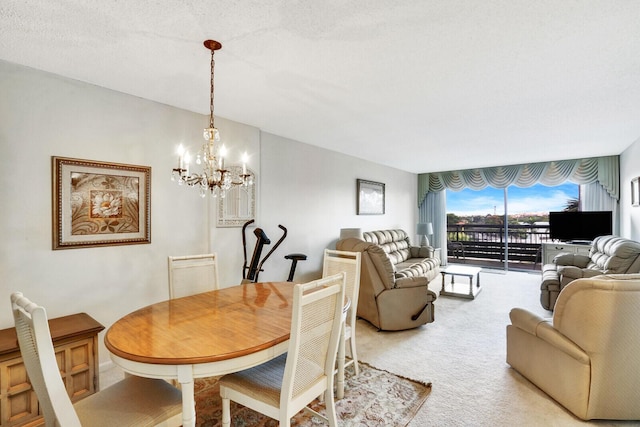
pixel 605 170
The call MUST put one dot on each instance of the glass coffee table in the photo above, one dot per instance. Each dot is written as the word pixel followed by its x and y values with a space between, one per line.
pixel 459 289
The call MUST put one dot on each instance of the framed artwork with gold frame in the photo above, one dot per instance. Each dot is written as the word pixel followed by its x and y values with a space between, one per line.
pixel 100 204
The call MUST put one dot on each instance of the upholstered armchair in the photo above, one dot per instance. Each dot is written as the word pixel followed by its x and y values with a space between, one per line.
pixel 607 255
pixel 586 357
pixel 394 280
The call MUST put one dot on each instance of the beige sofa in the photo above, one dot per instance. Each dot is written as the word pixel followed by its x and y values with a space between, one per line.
pixel 394 293
pixel 607 255
pixel 586 357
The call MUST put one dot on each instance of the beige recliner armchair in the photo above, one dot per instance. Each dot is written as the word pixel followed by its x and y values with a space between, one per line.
pixel 607 255
pixel 394 293
pixel 586 357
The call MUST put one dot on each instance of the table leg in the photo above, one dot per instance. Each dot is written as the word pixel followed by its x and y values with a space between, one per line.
pixel 471 284
pixel 478 280
pixel 185 378
pixel 443 274
pixel 341 357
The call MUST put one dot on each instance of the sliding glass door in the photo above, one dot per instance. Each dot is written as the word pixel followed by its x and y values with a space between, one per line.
pixel 503 228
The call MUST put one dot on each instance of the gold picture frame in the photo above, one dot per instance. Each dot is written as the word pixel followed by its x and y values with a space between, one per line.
pixel 370 197
pixel 100 204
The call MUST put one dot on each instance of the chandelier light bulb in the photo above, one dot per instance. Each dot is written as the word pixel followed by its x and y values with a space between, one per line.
pixel 245 159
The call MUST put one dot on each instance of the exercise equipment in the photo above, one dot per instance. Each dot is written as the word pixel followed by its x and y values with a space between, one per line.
pixel 251 272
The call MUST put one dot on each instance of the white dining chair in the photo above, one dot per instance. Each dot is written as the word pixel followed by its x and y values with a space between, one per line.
pixel 192 274
pixel 285 385
pixel 134 401
pixel 348 262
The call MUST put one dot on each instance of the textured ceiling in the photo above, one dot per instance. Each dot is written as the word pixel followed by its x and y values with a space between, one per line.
pixel 418 85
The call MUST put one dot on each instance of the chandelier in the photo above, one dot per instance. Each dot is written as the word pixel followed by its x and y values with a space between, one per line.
pixel 214 177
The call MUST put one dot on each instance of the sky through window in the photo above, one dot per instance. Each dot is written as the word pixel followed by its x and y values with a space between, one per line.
pixel 489 201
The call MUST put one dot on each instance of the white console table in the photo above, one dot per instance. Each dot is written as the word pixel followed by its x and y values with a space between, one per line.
pixel 550 250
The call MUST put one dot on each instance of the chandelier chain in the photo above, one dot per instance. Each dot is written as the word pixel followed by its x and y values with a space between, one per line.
pixel 211 117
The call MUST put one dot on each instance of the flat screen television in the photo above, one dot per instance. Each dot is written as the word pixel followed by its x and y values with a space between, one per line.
pixel 579 226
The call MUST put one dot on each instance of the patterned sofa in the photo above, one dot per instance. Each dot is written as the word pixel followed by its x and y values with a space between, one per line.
pixel 607 255
pixel 394 293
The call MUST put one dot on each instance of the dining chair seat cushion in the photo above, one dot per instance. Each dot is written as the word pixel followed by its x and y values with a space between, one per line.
pixel 139 402
pixel 264 382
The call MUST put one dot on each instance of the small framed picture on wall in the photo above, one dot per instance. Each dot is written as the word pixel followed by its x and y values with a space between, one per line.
pixel 635 192
pixel 370 197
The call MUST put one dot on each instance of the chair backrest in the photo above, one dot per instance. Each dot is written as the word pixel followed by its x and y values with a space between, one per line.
pixel 192 274
pixel 349 263
pixel 315 332
pixel 601 316
pixel 395 243
pixel 614 255
pixel 34 339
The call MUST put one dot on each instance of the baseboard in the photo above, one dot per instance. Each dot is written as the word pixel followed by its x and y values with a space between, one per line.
pixel 105 366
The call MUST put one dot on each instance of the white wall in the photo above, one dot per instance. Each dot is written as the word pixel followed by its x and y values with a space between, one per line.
pixel 312 192
pixel 629 215
pixel 309 190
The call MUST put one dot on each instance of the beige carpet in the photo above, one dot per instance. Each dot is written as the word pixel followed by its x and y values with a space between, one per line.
pixel 463 354
pixel 373 398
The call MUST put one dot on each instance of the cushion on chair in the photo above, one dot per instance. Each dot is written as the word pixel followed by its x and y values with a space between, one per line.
pixel 138 401
pixel 262 382
pixel 416 267
pixel 577 260
pixel 385 268
pixel 612 254
pixel 421 252
pixel 569 273
pixel 395 243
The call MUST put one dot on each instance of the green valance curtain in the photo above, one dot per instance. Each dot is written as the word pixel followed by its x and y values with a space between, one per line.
pixel 605 170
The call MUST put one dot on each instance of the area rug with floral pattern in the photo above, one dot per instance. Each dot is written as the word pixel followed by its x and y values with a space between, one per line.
pixel 373 398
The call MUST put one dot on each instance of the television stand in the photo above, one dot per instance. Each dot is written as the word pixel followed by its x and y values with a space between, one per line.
pixel 579 242
pixel 550 250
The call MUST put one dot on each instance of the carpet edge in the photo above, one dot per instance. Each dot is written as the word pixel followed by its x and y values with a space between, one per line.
pixel 427 384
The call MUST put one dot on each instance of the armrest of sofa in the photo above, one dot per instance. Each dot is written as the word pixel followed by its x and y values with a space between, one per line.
pixel 422 251
pixel 543 329
pixel 572 272
pixel 411 282
pixel 577 260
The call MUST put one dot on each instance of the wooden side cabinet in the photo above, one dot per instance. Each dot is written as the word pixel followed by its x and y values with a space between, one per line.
pixel 75 339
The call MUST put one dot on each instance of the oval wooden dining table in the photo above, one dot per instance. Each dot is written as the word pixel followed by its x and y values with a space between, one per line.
pixel 204 335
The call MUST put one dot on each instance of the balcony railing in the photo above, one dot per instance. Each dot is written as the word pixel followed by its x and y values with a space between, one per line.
pixel 484 244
